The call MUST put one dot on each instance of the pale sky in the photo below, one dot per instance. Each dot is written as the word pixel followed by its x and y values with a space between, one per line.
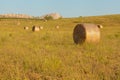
pixel 67 8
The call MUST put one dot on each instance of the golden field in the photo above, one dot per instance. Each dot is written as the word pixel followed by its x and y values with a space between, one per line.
pixel 51 54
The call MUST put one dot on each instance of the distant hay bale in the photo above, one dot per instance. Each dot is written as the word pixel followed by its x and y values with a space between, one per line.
pixel 26 27
pixel 41 27
pixel 18 23
pixel 86 33
pixel 35 28
pixel 57 27
pixel 100 26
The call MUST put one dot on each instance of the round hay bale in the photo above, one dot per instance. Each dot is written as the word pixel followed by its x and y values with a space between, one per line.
pixel 26 27
pixel 57 27
pixel 86 33
pixel 100 26
pixel 18 23
pixel 41 27
pixel 35 28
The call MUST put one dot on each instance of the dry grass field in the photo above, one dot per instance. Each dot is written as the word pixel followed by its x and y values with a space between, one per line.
pixel 50 54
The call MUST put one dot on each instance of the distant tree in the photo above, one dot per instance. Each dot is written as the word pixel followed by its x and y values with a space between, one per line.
pixel 80 16
pixel 48 17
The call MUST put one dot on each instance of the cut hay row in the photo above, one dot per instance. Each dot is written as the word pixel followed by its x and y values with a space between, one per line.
pixel 37 28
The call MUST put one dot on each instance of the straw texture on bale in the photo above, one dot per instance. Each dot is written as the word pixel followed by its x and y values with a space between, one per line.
pixel 86 33
pixel 35 28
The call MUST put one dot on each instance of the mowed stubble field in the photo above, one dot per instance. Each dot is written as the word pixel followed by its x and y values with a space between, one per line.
pixel 51 54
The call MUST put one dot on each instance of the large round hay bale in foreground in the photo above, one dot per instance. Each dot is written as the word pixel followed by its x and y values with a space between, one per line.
pixel 86 32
